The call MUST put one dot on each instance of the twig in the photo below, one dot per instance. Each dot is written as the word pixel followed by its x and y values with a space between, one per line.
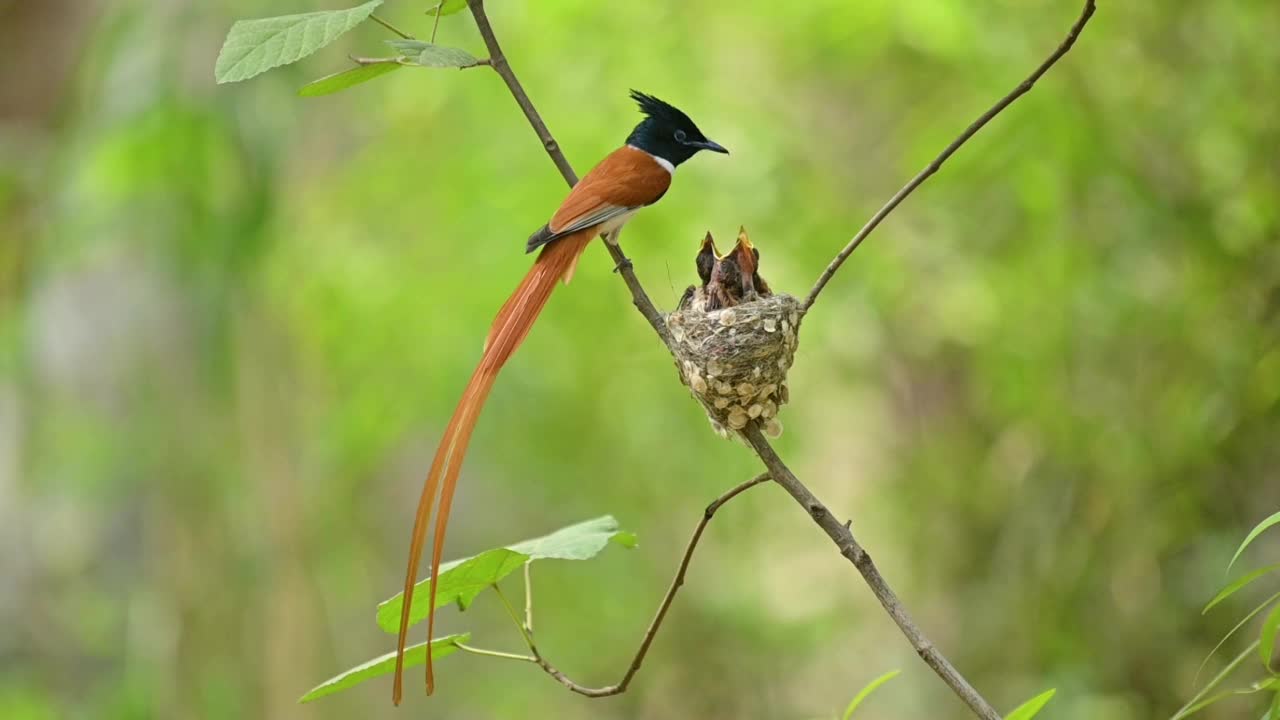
pixel 376 60
pixel 525 632
pixel 843 538
pixel 933 167
pixel 652 631
pixel 499 62
pixel 494 653
pixel 391 27
pixel 839 533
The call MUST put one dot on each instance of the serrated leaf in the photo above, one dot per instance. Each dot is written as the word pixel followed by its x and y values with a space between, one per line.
pixel 448 7
pixel 866 691
pixel 1267 637
pixel 255 46
pixel 461 580
pixel 1234 587
pixel 342 80
pixel 1030 708
pixel 1253 535
pixel 385 665
pixel 427 54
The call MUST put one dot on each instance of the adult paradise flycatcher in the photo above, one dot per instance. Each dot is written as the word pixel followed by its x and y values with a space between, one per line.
pixel 627 179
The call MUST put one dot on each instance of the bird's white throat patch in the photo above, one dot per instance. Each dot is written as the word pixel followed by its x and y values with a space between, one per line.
pixel 665 163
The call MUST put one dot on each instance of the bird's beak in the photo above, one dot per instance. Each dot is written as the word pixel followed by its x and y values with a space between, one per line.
pixel 710 145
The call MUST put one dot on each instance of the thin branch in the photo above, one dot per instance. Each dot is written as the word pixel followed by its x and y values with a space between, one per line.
pixel 390 27
pixel 652 631
pixel 934 166
pixel 494 653
pixel 841 535
pixel 499 62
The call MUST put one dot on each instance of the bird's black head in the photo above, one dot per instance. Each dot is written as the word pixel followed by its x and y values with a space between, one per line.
pixel 667 132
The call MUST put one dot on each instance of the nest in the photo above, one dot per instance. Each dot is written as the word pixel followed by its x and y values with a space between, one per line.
pixel 735 360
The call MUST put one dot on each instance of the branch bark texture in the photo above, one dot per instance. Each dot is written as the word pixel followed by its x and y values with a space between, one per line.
pixel 839 533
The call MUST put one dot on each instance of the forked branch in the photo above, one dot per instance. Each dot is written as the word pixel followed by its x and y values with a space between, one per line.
pixel 839 533
pixel 652 631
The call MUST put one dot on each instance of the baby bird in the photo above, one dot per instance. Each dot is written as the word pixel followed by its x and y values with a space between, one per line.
pixel 753 286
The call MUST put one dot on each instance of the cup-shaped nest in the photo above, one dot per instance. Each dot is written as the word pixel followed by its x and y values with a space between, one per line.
pixel 735 360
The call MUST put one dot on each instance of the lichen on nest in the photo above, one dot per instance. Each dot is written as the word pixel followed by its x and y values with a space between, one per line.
pixel 735 360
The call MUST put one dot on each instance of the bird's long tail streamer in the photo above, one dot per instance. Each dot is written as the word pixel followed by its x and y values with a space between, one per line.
pixel 508 331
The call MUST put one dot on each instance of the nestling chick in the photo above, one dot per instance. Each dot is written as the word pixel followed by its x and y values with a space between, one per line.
pixel 725 288
pixel 706 260
pixel 753 286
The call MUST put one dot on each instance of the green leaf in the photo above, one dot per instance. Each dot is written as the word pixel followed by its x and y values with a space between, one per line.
pixel 625 539
pixel 255 46
pixel 1259 686
pixel 1267 638
pixel 1231 589
pixel 1263 606
pixel 1253 535
pixel 867 690
pixel 428 54
pixel 1030 708
pixel 342 80
pixel 461 580
pixel 385 665
pixel 448 7
pixel 582 541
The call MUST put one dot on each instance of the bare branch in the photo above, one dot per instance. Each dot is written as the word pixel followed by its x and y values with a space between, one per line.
pixel 494 653
pixel 499 62
pixel 843 538
pixel 947 152
pixel 652 631
pixel 839 532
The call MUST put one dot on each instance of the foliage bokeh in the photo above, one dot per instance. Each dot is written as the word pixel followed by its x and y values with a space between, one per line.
pixel 233 322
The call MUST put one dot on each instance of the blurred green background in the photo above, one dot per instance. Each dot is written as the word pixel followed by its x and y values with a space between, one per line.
pixel 234 321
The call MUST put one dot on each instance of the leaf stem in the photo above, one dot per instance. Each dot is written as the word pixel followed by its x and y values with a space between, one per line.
pixel 376 61
pixel 511 612
pixel 436 26
pixel 494 653
pixel 1185 710
pixel 391 27
pixel 528 599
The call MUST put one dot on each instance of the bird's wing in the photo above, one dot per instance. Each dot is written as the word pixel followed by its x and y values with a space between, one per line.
pixel 626 180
